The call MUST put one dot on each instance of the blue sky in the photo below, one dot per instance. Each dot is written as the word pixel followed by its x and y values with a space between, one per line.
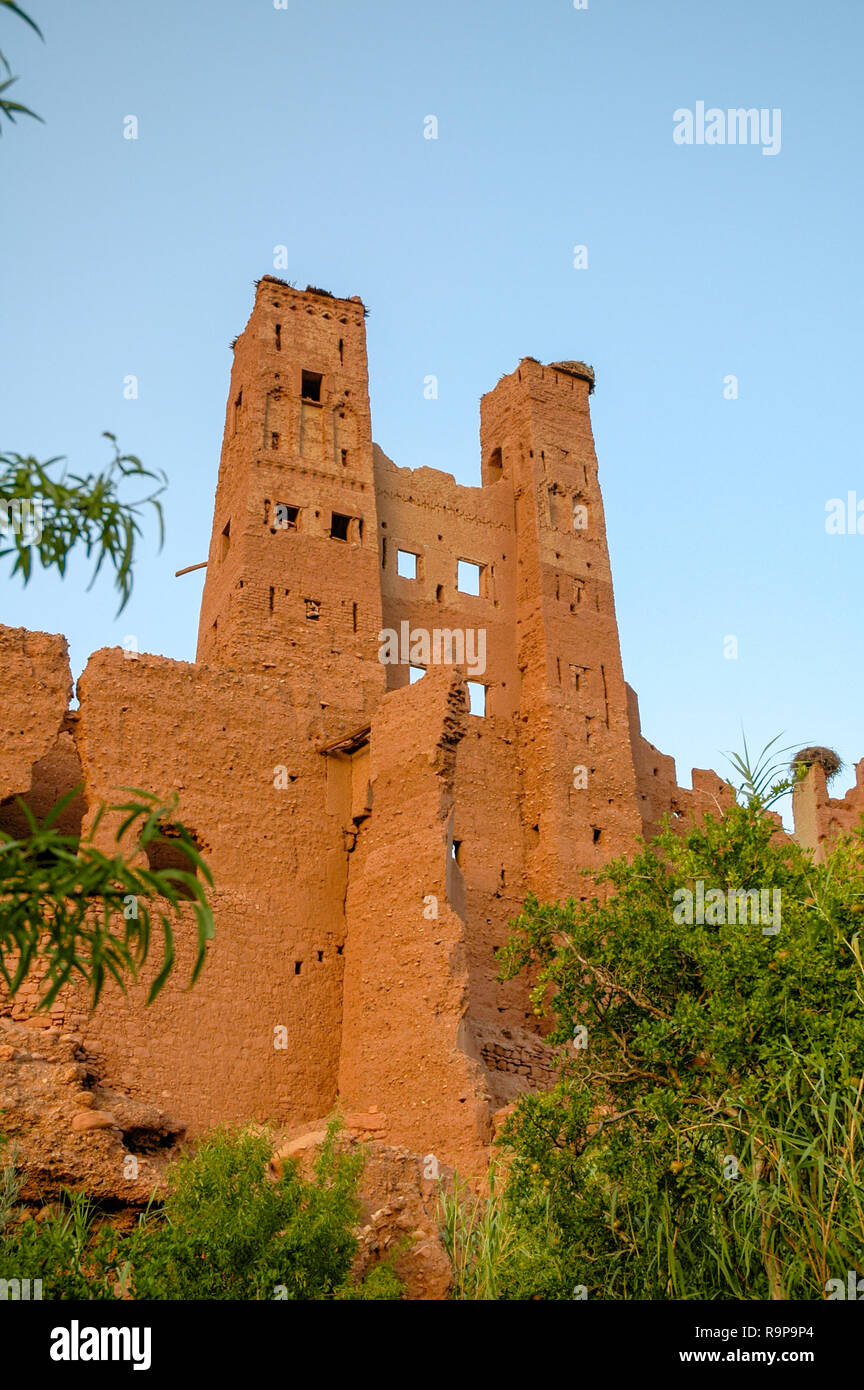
pixel 304 127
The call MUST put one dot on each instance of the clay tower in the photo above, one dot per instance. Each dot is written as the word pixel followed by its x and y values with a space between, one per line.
pixel 296 476
pixel 579 796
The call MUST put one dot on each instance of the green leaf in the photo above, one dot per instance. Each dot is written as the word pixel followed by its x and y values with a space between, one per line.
pixel 16 9
pixel 62 903
pixel 79 511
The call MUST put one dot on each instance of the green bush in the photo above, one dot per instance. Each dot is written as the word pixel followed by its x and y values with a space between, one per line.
pixel 225 1230
pixel 705 1143
pixel 228 1231
pixel 60 1250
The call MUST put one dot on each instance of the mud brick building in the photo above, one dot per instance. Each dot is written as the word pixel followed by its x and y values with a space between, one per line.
pixel 371 829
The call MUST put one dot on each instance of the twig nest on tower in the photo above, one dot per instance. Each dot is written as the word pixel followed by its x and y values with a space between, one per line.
pixel 826 758
pixel 578 369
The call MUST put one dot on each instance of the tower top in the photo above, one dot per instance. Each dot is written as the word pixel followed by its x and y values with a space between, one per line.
pixel 577 369
pixel 271 282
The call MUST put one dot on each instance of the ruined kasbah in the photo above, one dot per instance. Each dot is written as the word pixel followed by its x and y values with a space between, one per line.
pixel 407 712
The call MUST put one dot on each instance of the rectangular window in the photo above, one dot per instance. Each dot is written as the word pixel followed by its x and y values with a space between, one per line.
pixel 285 517
pixel 310 388
pixel 406 564
pixel 469 577
pixel 477 697
pixel 346 528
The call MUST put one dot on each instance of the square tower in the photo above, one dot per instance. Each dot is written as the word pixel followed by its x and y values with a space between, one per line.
pixel 292 574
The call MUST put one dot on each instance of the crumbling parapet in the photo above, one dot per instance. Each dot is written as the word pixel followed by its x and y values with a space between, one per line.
pixel 34 698
pixel 657 790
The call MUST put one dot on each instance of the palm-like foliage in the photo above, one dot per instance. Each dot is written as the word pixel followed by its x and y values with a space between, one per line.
pixel 768 778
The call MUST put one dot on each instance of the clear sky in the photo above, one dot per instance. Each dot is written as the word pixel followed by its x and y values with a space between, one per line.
pixel 304 127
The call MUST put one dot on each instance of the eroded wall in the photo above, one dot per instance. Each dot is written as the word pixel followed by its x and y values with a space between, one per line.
pixel 254 791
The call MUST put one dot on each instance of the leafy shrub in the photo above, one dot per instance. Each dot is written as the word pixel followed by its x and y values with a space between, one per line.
pixel 61 1251
pixel 226 1230
pixel 706 1142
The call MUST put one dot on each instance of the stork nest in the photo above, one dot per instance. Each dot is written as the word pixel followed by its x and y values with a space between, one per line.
pixel 825 758
pixel 578 369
